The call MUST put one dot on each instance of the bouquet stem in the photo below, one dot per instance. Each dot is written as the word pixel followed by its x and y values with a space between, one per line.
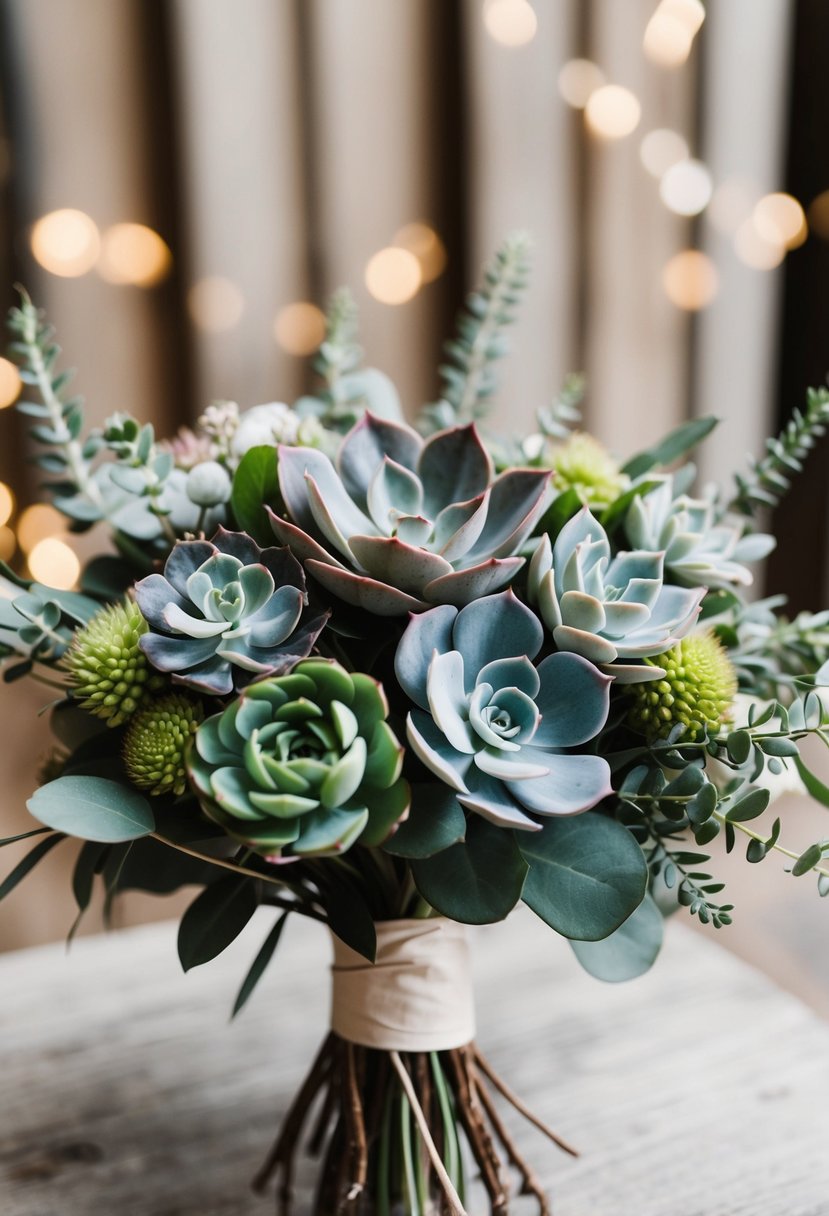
pixel 389 1130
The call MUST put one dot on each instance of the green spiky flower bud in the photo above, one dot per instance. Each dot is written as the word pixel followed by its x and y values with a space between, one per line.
pixel 108 670
pixel 583 465
pixel 696 691
pixel 155 745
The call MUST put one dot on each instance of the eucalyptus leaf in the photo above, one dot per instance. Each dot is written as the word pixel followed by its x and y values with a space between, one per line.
pixel 215 919
pixel 587 875
pixel 628 952
pixel 476 882
pixel 676 444
pixel 92 808
pixel 813 784
pixel 436 821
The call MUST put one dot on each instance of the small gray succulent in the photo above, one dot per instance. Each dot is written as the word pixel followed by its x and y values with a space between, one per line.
pixel 225 611
pixel 399 525
pixel 700 550
pixel 608 608
pixel 492 725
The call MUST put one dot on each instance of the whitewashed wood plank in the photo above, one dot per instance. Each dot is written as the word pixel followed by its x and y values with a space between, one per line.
pixel 696 1091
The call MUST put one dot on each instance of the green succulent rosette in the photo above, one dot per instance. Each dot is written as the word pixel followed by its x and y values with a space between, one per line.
pixel 303 764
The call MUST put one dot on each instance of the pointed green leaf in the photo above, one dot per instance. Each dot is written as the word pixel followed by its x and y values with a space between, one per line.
pixel 255 483
pixel 28 863
pixel 215 919
pixel 259 964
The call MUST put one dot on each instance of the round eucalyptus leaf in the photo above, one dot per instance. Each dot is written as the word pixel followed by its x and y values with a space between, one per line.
pixel 630 951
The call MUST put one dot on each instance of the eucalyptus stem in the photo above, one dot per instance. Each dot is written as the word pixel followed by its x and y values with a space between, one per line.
pixel 766 841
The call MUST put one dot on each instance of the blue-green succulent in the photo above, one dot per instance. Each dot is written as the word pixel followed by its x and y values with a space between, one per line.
pixel 399 525
pixel 225 612
pixel 302 764
pixel 494 726
pixel 609 609
pixel 700 550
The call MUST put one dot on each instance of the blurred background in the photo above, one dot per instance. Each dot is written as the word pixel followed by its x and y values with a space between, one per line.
pixel 184 182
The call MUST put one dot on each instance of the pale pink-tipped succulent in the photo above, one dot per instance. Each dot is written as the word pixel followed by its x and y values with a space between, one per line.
pixel 398 524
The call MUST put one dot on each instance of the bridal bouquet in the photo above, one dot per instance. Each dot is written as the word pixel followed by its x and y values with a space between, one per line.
pixel 398 679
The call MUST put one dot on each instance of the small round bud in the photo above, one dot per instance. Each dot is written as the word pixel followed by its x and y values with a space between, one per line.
pixel 157 741
pixel 208 484
pixel 108 670
pixel 696 691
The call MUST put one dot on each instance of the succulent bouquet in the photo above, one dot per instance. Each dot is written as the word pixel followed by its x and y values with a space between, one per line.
pixel 380 675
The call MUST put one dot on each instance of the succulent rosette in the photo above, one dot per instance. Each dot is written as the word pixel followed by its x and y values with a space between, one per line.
pixel 225 611
pixel 399 524
pixel 608 609
pixel 699 548
pixel 302 764
pixel 494 726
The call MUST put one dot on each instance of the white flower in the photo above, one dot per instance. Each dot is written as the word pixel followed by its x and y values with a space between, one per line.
pixel 208 484
pixel 265 425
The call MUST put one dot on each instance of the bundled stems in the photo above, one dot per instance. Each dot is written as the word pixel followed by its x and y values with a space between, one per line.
pixel 388 1128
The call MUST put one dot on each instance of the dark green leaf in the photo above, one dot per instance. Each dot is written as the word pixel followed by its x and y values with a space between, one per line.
pixel 88 864
pixel 779 747
pixel 23 836
pixel 587 875
pixel 215 919
pixel 28 863
pixel 259 964
pixel 92 808
pixel 562 508
pixel 630 951
pixel 436 821
pixel 738 746
pixel 808 860
pixel 255 483
pixel 478 881
pixel 749 807
pixel 676 444
pixel 617 510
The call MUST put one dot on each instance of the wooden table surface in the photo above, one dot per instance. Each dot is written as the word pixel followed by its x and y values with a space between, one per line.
pixel 699 1090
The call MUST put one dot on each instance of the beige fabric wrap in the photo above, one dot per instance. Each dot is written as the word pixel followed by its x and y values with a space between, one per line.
pixel 416 996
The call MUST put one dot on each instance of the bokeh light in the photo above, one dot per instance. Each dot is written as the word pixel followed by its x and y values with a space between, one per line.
pixel 510 22
pixel 37 523
pixel 6 503
pixel 756 250
pixel 686 187
pixel 670 33
pixel 66 242
pixel 422 240
pixel 215 304
pixel 780 219
pixel 8 544
pixel 53 563
pixel 661 149
pixel 690 280
pixel 578 80
pixel 393 275
pixel 819 215
pixel 731 203
pixel 299 328
pixel 134 254
pixel 10 383
pixel 612 112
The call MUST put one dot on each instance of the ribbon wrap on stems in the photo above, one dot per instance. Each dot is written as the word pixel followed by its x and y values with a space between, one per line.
pixel 416 996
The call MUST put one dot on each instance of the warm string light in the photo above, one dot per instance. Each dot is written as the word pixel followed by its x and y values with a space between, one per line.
pixel 578 81
pixel 37 523
pixel 53 563
pixel 779 218
pixel 393 275
pixel 66 242
pixel 669 35
pixel 422 240
pixel 612 112
pixel 661 149
pixel 10 383
pixel 510 23
pixel 134 254
pixel 8 544
pixel 686 187
pixel 690 280
pixel 215 304
pixel 299 328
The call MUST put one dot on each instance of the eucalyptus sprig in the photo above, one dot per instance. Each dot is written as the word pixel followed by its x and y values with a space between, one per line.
pixel 339 354
pixel 558 420
pixel 59 418
pixel 770 477
pixel 468 376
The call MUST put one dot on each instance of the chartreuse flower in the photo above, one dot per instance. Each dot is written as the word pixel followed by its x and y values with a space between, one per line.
pixel 156 743
pixel 399 525
pixel 608 609
pixel 584 465
pixel 695 692
pixel 108 671
pixel 492 725
pixel 302 764
pixel 224 611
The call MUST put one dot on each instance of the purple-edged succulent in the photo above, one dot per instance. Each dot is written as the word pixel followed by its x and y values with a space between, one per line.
pixel 225 612
pixel 399 524
pixel 609 609
pixel 494 726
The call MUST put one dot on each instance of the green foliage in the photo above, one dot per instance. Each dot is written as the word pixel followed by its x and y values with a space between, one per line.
pixel 259 964
pixel 215 918
pixel 468 376
pixel 587 875
pixel 558 420
pixel 629 951
pixel 255 486
pixel 681 440
pixel 108 671
pixel 475 882
pixel 436 821
pixel 58 418
pixel 770 477
pixel 92 808
pixel 29 862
